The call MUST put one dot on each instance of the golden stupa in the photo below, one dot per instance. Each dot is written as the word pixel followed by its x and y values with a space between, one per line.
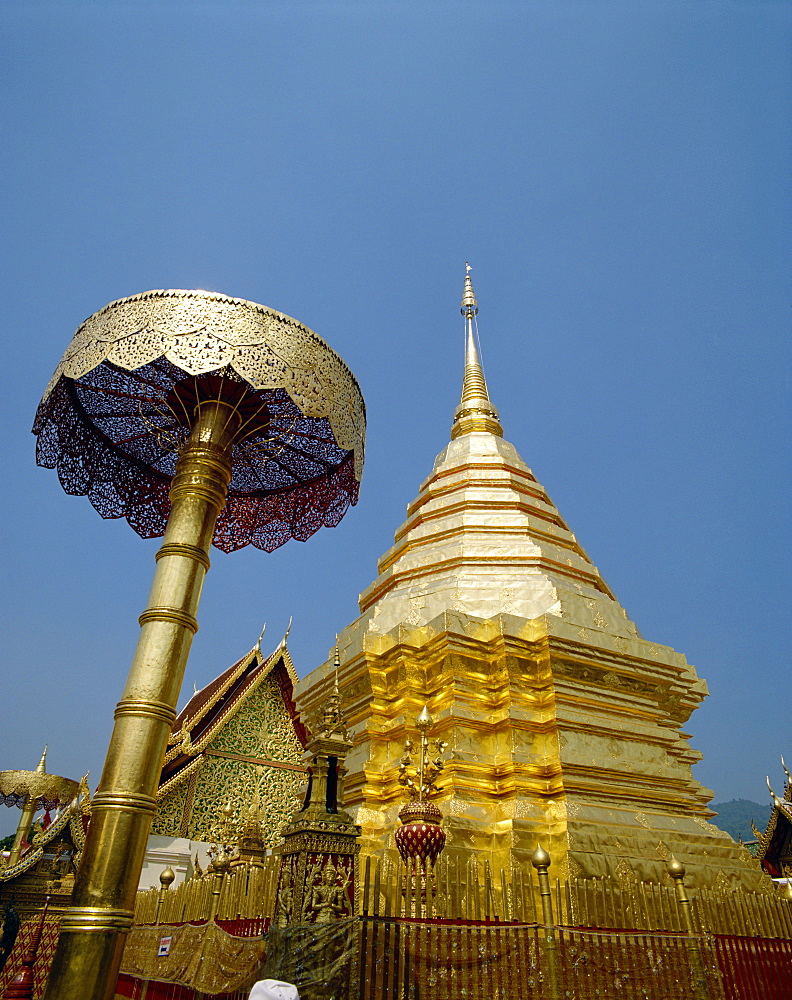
pixel 564 724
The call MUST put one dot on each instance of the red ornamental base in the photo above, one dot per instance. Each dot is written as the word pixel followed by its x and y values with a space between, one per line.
pixel 421 838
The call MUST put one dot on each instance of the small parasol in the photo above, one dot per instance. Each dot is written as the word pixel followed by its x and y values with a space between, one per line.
pixel 32 791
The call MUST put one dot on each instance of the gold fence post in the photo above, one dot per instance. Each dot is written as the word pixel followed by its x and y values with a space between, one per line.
pixel 217 889
pixel 677 872
pixel 540 859
pixel 167 875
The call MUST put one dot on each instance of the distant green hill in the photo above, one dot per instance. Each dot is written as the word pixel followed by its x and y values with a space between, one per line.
pixel 735 817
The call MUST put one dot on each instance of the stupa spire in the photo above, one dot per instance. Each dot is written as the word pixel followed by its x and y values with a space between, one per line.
pixel 475 411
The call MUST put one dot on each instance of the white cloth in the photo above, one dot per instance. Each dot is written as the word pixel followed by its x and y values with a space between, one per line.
pixel 273 989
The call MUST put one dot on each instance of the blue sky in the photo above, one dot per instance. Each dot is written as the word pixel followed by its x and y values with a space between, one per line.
pixel 618 174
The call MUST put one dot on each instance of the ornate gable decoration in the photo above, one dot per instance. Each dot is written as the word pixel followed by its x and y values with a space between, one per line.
pixel 238 737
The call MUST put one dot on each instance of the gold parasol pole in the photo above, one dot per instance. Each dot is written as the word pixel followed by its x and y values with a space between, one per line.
pixel 93 930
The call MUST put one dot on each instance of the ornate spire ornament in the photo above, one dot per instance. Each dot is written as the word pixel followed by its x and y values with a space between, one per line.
pixel 319 857
pixel 332 717
pixel 209 420
pixel 475 411
pixel 420 839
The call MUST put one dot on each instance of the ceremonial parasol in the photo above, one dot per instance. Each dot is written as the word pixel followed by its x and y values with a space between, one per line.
pixel 207 419
pixel 120 408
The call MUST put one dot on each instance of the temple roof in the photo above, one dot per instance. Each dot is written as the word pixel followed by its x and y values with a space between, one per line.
pixel 213 706
pixel 774 851
pixel 483 537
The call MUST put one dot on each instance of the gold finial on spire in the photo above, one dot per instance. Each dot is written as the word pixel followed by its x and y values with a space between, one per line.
pixel 332 716
pixel 42 764
pixel 475 411
pixel 469 304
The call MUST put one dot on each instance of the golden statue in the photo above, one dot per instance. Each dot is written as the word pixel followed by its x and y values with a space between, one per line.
pixel 328 898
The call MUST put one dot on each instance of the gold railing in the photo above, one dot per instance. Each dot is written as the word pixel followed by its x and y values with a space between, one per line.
pixel 457 889
pixel 723 911
pixel 461 889
pixel 466 930
pixel 470 890
pixel 243 893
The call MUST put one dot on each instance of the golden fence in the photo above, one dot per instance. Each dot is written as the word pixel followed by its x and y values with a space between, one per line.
pixel 724 911
pixel 448 961
pixel 470 890
pixel 467 931
pixel 461 889
pixel 240 894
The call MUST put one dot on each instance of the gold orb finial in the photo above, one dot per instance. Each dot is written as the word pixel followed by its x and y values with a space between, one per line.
pixel 540 858
pixel 167 877
pixel 675 869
